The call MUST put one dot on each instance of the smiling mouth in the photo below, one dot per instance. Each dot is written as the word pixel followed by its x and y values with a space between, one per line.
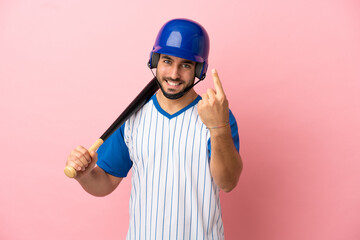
pixel 173 83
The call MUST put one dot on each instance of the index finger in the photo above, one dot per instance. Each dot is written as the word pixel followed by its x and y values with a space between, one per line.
pixel 217 83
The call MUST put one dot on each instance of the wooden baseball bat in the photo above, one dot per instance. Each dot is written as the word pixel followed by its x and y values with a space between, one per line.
pixel 134 106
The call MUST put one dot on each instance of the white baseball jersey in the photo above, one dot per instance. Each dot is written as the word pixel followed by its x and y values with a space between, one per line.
pixel 173 195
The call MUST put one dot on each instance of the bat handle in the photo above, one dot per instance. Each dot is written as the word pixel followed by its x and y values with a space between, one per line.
pixel 70 171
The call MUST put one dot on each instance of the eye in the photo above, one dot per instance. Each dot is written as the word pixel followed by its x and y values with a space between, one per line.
pixel 167 61
pixel 186 65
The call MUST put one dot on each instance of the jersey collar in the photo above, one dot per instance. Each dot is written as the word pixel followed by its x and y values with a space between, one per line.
pixel 170 116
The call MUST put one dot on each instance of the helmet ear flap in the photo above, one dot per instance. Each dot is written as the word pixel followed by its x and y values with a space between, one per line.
pixel 154 59
pixel 200 70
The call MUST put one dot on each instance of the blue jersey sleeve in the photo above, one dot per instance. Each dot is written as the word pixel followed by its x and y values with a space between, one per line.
pixel 234 133
pixel 113 155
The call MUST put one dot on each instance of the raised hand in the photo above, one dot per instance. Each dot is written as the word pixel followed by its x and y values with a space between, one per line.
pixel 214 107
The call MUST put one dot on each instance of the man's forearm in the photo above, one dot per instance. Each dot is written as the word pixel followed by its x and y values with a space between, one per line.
pixel 225 163
pixel 99 183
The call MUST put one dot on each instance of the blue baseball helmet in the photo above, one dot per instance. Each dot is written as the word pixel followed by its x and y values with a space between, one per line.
pixel 185 39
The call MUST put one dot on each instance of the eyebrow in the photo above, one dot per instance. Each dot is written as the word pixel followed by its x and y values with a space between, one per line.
pixel 184 61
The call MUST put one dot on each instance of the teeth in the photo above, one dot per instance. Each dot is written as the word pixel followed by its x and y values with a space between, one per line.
pixel 173 84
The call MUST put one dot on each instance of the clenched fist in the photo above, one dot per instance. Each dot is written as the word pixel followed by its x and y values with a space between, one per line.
pixel 82 160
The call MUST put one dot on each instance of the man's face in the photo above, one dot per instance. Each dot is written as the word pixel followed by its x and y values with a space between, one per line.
pixel 175 74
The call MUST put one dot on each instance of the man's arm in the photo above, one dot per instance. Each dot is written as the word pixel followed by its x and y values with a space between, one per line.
pixel 92 178
pixel 225 163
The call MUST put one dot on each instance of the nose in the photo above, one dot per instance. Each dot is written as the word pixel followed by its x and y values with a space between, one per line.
pixel 175 73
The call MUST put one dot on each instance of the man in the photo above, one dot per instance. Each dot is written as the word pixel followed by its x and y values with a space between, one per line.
pixel 182 148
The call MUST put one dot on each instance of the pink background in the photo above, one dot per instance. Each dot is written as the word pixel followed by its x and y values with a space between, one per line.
pixel 291 70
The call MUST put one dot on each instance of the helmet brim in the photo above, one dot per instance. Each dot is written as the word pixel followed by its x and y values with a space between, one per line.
pixel 177 52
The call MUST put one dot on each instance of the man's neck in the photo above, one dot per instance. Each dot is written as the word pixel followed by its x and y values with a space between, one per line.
pixel 172 106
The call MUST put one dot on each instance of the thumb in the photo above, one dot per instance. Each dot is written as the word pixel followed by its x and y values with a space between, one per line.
pixel 94 157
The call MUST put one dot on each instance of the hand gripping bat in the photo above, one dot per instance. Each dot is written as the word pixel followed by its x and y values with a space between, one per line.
pixel 134 106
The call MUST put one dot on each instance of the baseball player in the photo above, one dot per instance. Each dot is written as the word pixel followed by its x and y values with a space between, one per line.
pixel 182 148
